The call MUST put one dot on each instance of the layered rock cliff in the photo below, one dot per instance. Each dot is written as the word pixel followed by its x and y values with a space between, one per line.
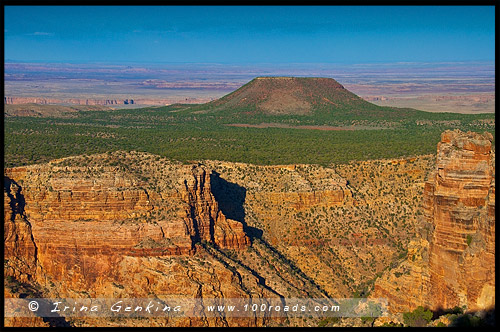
pixel 329 221
pixel 452 261
pixel 126 225
pixel 61 219
pixel 208 221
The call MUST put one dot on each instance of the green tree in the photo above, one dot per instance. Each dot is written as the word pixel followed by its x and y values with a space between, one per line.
pixel 417 318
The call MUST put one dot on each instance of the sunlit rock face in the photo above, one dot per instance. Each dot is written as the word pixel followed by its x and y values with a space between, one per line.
pixel 78 223
pixel 460 204
pixel 452 261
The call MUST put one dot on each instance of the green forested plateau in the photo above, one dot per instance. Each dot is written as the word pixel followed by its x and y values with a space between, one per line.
pixel 184 133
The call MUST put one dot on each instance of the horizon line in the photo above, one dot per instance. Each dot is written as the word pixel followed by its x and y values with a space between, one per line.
pixel 7 61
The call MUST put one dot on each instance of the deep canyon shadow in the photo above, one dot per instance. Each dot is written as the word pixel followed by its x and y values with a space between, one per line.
pixel 483 318
pixel 17 202
pixel 231 199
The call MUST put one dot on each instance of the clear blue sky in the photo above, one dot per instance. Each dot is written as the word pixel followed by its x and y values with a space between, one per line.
pixel 254 34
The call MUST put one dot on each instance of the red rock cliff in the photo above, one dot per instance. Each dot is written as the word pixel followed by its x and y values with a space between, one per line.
pixel 452 262
pixel 208 222
pixel 460 204
pixel 79 222
pixel 122 225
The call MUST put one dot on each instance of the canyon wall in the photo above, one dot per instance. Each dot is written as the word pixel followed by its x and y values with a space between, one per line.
pixel 123 225
pixel 64 223
pixel 452 261
pixel 460 202
pixel 75 218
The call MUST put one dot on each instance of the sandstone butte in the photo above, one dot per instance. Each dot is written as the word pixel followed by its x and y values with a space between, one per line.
pixel 452 261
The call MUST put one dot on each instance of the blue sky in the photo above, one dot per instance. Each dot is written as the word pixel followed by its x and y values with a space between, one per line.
pixel 249 34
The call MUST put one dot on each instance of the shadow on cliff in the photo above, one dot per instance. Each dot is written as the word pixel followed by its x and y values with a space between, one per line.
pixel 482 318
pixel 231 199
pixel 28 290
pixel 17 202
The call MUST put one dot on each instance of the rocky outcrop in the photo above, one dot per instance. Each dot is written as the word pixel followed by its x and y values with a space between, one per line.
pixel 208 221
pixel 460 204
pixel 79 222
pixel 20 251
pixel 452 262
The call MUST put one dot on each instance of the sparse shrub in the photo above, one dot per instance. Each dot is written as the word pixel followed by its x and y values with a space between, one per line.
pixel 417 318
pixel 391 324
pixel 466 321
pixel 328 321
pixel 469 239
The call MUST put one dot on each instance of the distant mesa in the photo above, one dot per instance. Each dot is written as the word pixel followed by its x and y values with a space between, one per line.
pixel 108 101
pixel 7 100
pixel 281 95
pixel 48 110
pixel 289 96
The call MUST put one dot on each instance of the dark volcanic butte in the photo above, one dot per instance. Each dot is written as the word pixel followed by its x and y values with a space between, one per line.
pixel 285 95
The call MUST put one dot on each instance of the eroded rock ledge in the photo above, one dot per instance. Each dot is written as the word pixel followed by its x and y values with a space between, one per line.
pixel 60 216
